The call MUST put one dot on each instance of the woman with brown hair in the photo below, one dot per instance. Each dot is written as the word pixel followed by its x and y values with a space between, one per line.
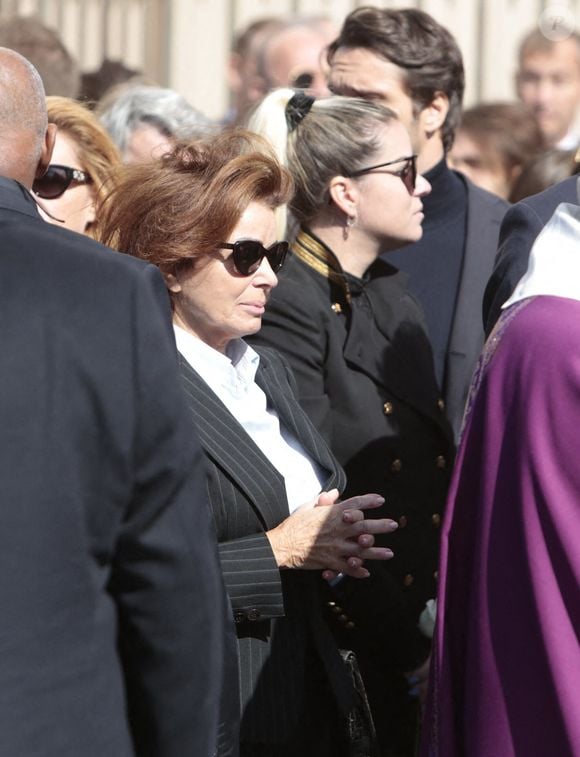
pixel 81 169
pixel 205 215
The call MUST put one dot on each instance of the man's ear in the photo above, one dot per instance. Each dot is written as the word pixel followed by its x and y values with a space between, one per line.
pixel 433 115
pixel 46 153
pixel 344 193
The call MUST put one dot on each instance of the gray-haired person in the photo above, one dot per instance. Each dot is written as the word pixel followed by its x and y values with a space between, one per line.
pixel 144 121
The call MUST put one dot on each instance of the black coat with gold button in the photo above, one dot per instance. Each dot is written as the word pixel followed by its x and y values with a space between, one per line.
pixel 365 375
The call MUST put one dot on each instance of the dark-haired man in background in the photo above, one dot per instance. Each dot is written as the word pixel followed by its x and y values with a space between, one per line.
pixel 407 61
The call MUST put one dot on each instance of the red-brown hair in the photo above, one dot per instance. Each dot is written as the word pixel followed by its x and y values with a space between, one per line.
pixel 173 211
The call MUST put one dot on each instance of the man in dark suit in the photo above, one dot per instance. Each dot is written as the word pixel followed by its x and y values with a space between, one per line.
pixel 111 631
pixel 521 225
pixel 407 61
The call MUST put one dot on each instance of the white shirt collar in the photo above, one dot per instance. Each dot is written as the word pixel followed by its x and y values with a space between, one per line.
pixel 554 264
pixel 237 366
pixel 232 378
pixel 569 141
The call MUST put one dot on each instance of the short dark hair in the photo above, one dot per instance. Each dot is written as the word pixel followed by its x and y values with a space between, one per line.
pixel 43 47
pixel 416 43
pixel 507 130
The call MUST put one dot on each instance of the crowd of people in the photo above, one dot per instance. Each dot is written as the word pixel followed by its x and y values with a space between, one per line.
pixel 289 402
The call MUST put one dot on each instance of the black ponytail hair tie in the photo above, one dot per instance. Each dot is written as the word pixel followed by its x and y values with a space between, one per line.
pixel 297 108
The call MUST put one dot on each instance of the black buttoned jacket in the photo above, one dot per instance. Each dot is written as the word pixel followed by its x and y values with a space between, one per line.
pixel 365 376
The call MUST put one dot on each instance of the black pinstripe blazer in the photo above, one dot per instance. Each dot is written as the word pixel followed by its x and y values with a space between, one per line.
pixel 278 614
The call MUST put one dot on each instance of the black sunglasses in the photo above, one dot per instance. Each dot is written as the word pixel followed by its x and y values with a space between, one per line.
pixel 407 174
pixel 57 180
pixel 302 80
pixel 249 253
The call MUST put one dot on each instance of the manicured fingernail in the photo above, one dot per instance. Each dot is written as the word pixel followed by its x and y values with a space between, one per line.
pixel 393 525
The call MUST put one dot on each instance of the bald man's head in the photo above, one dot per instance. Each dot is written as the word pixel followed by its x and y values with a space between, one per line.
pixel 23 119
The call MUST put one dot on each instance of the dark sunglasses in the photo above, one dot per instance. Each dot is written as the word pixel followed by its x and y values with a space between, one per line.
pixel 407 174
pixel 57 180
pixel 302 80
pixel 249 253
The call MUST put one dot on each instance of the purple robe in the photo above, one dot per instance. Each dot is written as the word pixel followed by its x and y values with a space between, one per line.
pixel 505 676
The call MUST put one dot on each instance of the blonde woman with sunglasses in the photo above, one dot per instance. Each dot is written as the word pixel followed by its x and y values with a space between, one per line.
pixel 356 341
pixel 81 169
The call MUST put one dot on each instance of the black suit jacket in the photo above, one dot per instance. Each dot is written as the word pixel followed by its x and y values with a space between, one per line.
pixel 368 385
pixel 484 215
pixel 105 531
pixel 278 614
pixel 522 224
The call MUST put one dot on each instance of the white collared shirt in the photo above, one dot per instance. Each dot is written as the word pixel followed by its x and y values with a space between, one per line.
pixel 569 141
pixel 554 262
pixel 232 378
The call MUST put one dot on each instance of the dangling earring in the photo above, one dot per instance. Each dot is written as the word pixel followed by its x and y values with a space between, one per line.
pixel 350 222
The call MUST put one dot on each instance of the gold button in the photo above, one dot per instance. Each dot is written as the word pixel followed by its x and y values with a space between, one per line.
pixel 436 575
pixel 440 462
pixel 336 307
pixel 350 625
pixel 343 618
pixel 402 521
pixel 388 408
pixel 441 403
pixel 436 520
pixel 331 604
pixel 336 609
pixel 396 466
pixel 408 580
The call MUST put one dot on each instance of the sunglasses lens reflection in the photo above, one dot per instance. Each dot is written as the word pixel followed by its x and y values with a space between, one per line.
pixel 276 255
pixel 409 175
pixel 53 184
